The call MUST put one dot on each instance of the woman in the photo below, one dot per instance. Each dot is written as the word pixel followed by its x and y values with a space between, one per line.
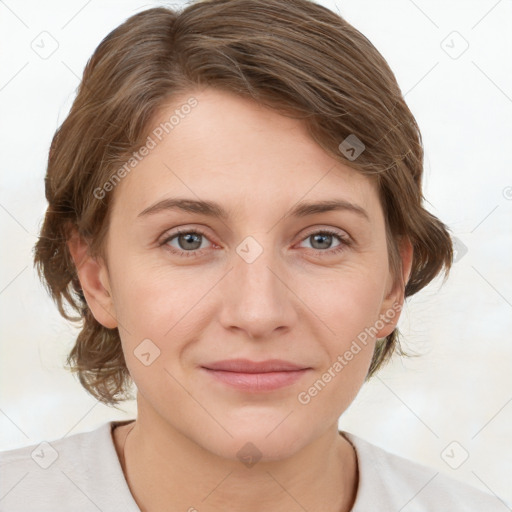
pixel 271 137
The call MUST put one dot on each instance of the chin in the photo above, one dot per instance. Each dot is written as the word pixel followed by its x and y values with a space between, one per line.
pixel 256 441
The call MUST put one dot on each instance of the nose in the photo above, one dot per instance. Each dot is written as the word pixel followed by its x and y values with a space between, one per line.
pixel 257 294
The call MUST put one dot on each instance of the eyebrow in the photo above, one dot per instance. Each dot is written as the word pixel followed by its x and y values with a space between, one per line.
pixel 213 209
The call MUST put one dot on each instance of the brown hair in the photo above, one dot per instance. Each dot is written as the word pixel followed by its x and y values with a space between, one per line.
pixel 294 56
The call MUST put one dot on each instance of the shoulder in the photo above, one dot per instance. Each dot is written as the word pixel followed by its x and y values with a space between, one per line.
pixel 82 470
pixel 390 482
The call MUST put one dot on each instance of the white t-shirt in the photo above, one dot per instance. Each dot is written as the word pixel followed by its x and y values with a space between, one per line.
pixel 82 473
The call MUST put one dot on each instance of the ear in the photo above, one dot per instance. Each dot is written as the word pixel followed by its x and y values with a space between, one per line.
pixel 394 300
pixel 94 279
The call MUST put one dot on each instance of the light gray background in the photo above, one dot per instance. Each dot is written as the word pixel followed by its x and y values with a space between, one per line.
pixel 455 400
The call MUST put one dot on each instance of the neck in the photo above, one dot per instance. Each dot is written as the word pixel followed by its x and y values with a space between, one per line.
pixel 162 467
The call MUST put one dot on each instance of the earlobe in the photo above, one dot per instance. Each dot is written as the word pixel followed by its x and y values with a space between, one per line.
pixel 394 301
pixel 93 277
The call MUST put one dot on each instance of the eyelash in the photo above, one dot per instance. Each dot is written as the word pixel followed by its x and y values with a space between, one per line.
pixel 345 242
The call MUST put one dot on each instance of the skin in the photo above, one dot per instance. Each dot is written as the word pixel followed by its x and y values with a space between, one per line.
pixel 297 301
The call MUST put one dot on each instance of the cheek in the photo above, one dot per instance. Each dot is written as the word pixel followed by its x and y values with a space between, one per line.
pixel 347 308
pixel 345 302
pixel 164 305
pixel 152 314
pixel 149 299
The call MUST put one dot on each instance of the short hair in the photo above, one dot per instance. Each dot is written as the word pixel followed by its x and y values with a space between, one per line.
pixel 294 56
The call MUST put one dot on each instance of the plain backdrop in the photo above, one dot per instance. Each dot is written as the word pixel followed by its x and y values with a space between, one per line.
pixel 451 408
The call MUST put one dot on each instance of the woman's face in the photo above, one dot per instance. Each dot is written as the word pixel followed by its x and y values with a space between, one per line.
pixel 262 281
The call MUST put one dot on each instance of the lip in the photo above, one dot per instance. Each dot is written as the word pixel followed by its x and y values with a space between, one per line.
pixel 255 376
pixel 248 366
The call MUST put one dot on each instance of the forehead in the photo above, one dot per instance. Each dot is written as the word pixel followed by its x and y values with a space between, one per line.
pixel 239 153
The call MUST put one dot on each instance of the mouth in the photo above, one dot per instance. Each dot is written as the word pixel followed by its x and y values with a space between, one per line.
pixel 253 376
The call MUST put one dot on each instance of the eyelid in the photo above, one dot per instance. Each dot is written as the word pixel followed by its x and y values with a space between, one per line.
pixel 171 233
pixel 328 229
